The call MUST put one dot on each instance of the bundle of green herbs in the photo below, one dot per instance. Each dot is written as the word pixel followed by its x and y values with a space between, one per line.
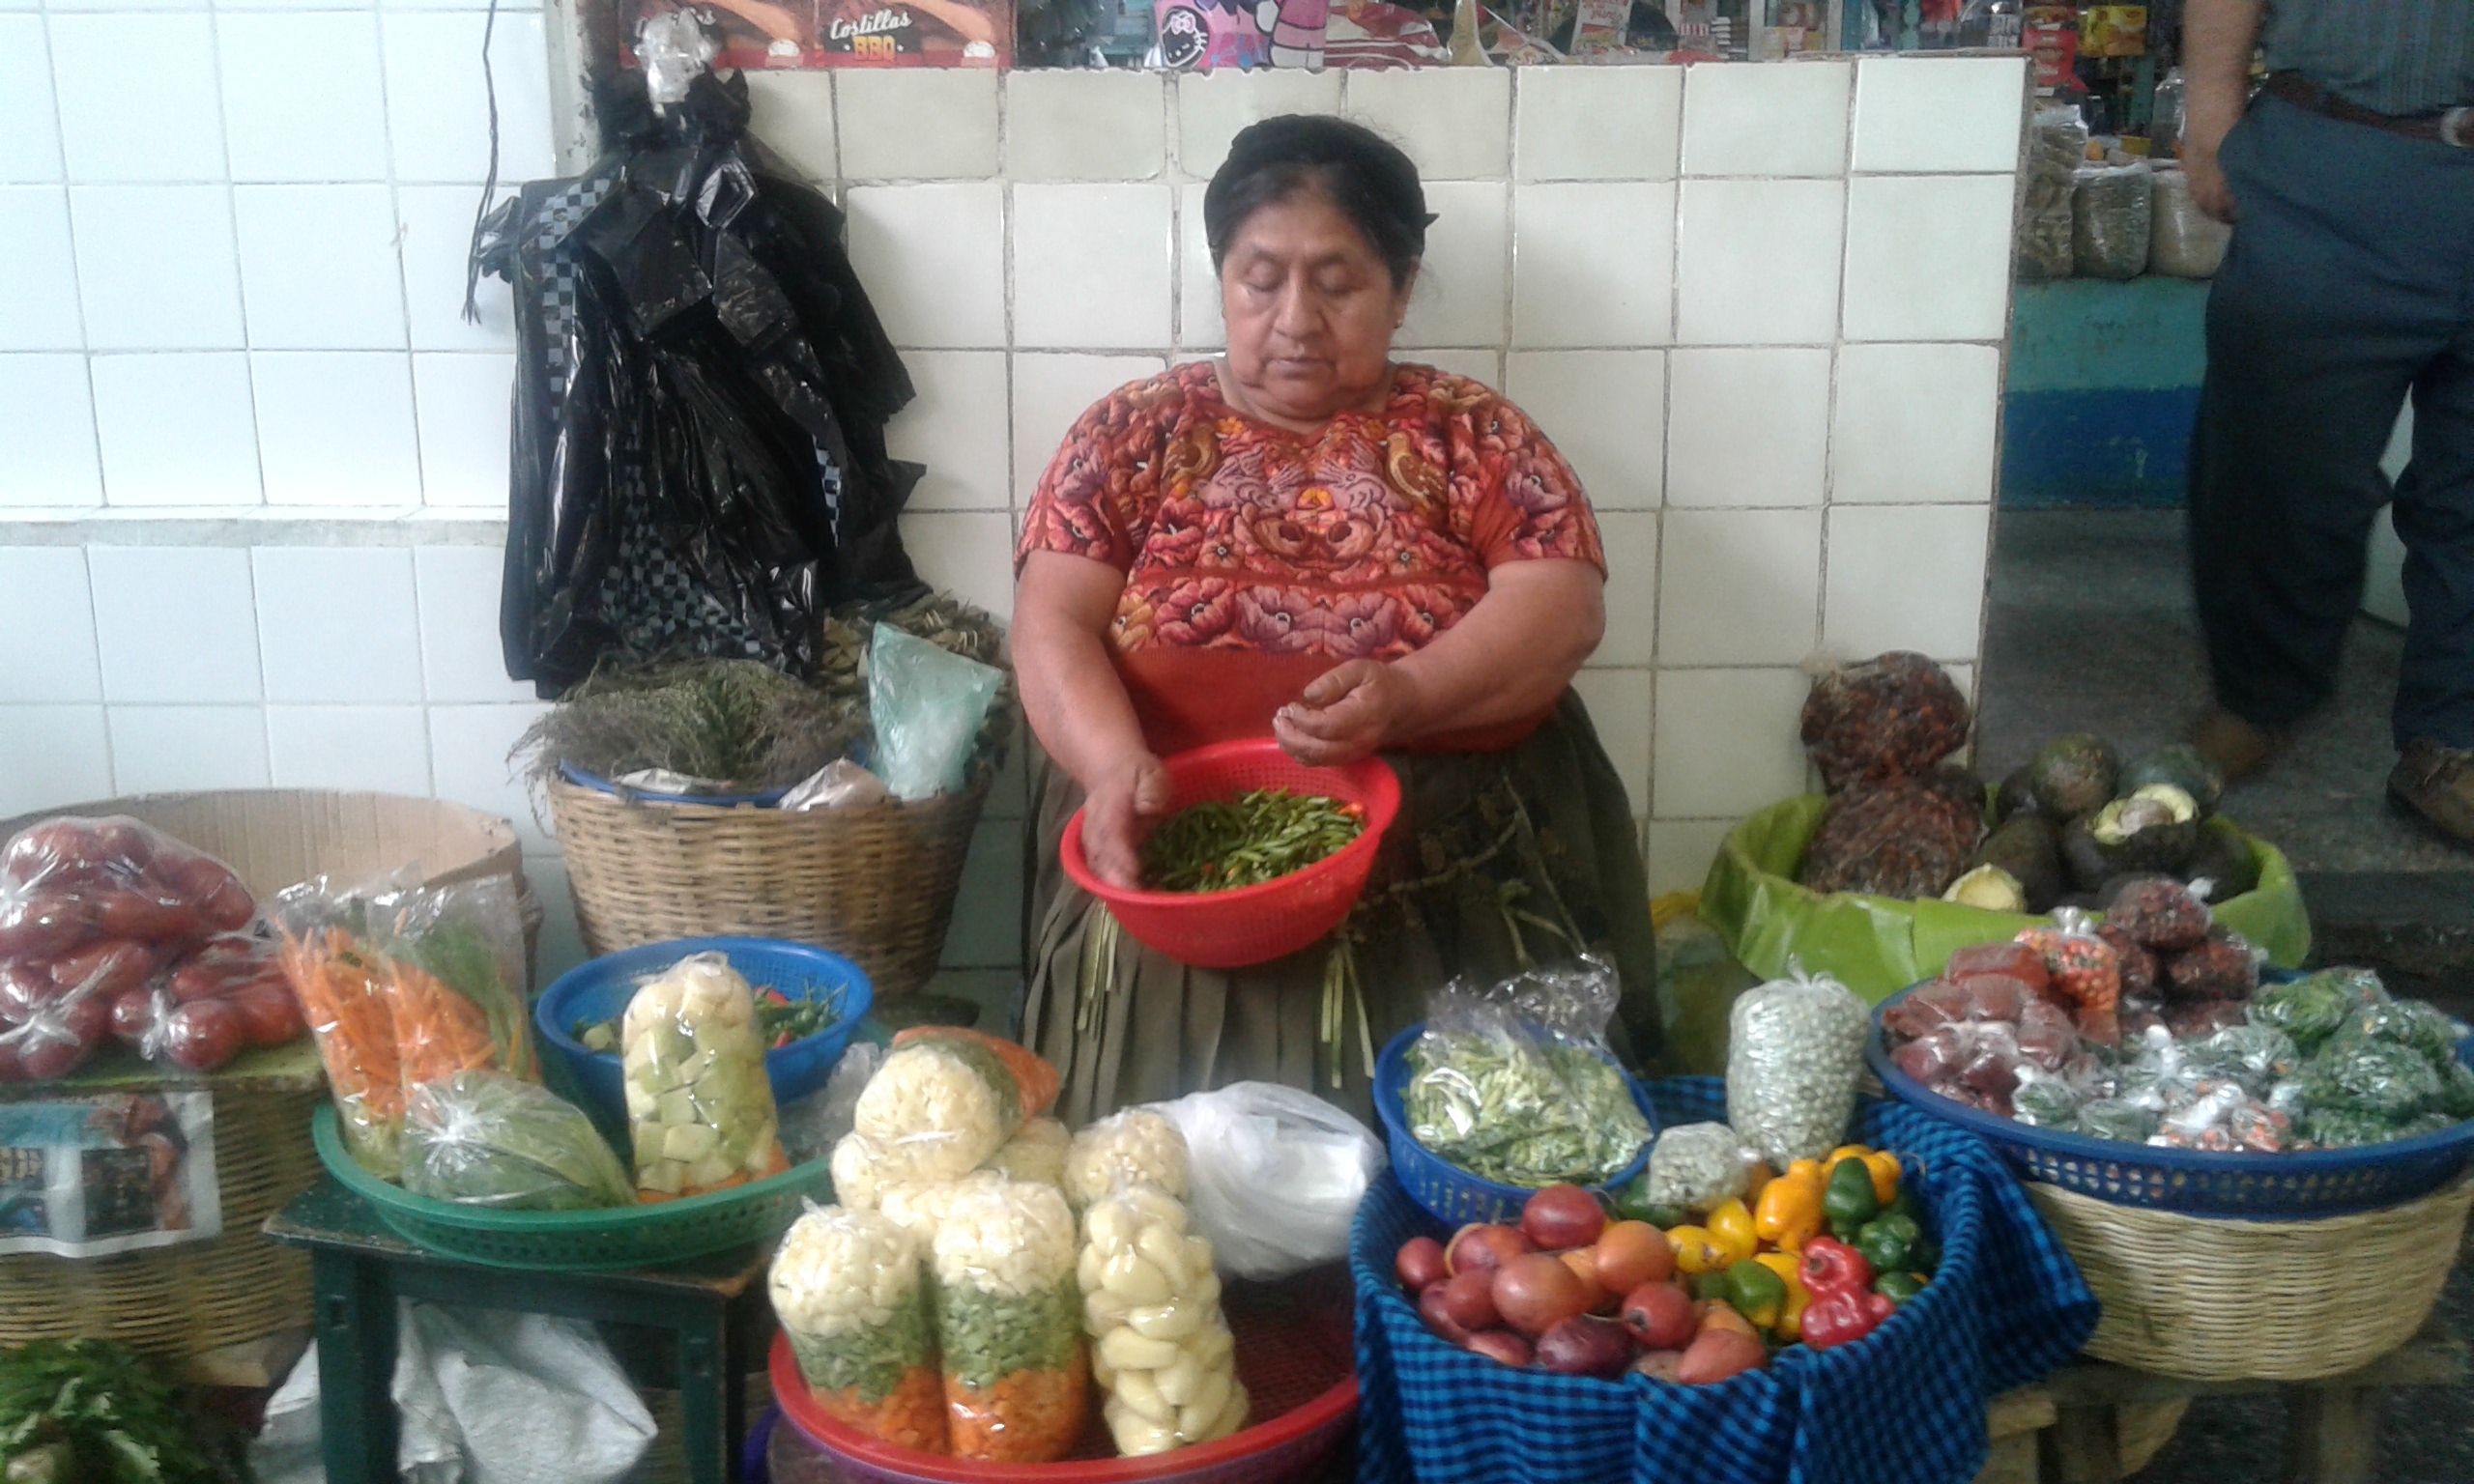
pixel 1257 837
pixel 87 1411
pixel 1520 1108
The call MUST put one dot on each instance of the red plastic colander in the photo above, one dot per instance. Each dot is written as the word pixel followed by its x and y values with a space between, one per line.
pixel 1295 1355
pixel 1249 924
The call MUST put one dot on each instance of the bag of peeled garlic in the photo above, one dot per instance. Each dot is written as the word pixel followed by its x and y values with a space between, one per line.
pixel 1160 1346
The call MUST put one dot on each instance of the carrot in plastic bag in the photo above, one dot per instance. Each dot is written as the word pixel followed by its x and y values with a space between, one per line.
pixel 456 976
pixel 339 983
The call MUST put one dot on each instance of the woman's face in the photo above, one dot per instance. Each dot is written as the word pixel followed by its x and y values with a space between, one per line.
pixel 1310 310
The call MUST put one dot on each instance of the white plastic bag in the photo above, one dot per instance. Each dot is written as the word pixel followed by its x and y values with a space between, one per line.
pixel 928 704
pixel 1277 1174
pixel 2183 242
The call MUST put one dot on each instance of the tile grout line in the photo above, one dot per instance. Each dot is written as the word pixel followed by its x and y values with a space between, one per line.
pixel 403 283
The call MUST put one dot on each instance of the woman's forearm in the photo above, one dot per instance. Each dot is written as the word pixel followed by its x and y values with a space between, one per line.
pixel 1513 654
pixel 1075 704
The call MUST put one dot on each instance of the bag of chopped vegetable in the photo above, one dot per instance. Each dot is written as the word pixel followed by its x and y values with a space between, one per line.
pixel 1009 1320
pixel 955 1095
pixel 1161 1347
pixel 331 957
pixel 1036 1153
pixel 1514 1082
pixel 920 1209
pixel 1131 1146
pixel 490 1139
pixel 846 1286
pixel 700 1109
pixel 455 980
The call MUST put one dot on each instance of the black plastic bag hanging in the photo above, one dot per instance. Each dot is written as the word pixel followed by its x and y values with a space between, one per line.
pixel 699 464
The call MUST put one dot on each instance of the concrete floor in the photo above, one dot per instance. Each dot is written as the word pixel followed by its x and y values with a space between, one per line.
pixel 2091 629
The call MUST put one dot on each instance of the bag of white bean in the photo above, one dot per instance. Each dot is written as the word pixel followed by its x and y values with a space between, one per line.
pixel 1794 1052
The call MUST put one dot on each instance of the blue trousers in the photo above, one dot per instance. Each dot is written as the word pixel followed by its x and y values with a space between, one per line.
pixel 2349 289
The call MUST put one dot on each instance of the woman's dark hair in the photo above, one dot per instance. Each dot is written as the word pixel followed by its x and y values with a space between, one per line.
pixel 1356 169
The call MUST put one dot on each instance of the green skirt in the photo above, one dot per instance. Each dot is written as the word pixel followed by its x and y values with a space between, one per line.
pixel 1499 862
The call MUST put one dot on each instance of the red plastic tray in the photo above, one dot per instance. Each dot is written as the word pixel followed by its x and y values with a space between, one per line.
pixel 1295 1355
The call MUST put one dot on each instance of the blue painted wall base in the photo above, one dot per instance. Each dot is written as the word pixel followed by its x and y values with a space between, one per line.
pixel 2104 382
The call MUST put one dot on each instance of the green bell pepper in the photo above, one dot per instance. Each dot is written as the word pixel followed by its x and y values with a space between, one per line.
pixel 1756 1292
pixel 1899 1287
pixel 1711 1284
pixel 1890 1243
pixel 1847 1201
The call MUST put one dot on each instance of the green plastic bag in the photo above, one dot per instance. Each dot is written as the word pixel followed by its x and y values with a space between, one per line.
pixel 1878 946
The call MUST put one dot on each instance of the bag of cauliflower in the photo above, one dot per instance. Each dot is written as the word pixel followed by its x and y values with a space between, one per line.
pixel 846 1286
pixel 1135 1146
pixel 700 1109
pixel 954 1094
pixel 1010 1322
pixel 1036 1153
pixel 865 1168
pixel 1160 1346
pixel 920 1209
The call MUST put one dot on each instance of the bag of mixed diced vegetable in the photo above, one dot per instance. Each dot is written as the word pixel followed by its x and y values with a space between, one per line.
pixel 849 1288
pixel 1009 1320
pixel 952 1098
pixel 698 1104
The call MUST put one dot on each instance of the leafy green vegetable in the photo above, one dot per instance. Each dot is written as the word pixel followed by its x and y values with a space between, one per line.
pixel 2316 1006
pixel 1525 1112
pixel 1249 840
pixel 485 1138
pixel 77 1410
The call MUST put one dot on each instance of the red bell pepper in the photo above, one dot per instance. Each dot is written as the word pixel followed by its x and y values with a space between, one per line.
pixel 1843 1315
pixel 1834 1267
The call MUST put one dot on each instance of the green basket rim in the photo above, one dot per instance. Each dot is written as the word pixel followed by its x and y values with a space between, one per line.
pixel 549 1225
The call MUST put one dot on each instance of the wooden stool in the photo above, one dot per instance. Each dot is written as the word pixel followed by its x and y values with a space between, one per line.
pixel 714 1310
pixel 2073 1417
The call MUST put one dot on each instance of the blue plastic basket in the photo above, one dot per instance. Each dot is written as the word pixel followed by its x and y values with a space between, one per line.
pixel 1449 1193
pixel 600 989
pixel 1905 1405
pixel 2292 1186
pixel 583 777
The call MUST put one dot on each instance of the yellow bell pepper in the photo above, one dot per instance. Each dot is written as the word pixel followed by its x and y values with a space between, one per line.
pixel 1879 1164
pixel 1788 1213
pixel 1695 1253
pixel 1730 1227
pixel 1790 1322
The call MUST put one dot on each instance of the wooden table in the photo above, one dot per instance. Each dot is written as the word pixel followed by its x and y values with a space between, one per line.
pixel 2067 1429
pixel 714 1311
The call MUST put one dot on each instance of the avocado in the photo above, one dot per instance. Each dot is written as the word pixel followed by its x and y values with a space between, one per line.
pixel 2084 861
pixel 2153 830
pixel 1989 887
pixel 2016 797
pixel 2027 846
pixel 2222 858
pixel 2075 774
pixel 2180 765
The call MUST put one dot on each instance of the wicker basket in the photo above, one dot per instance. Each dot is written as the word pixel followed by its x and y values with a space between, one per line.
pixel 2212 1299
pixel 179 1302
pixel 874 884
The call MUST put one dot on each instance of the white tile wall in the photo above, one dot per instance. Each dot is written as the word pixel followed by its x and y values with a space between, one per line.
pixel 138 98
pixel 29 122
pixel 1031 242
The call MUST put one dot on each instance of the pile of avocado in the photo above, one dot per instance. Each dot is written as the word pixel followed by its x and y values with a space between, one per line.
pixel 2074 819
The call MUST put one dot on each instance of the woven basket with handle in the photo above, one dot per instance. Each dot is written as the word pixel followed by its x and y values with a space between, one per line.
pixel 875 884
pixel 2213 1299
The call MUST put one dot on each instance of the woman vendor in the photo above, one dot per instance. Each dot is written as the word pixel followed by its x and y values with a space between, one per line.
pixel 1311 540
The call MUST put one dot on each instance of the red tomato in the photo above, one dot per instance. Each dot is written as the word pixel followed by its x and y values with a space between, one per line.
pixel 133 1016
pixel 231 907
pixel 203 1036
pixel 56 1046
pixel 10 1068
pixel 136 912
pixel 210 980
pixel 24 988
pixel 126 842
pixel 54 847
pixel 37 923
pixel 107 966
pixel 270 1016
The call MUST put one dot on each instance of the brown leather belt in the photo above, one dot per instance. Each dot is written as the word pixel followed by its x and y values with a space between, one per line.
pixel 2451 127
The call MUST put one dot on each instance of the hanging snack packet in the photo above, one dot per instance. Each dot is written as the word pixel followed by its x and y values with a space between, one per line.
pixel 1160 1346
pixel 1795 1051
pixel 698 1103
pixel 1129 1147
pixel 848 1289
pixel 956 1095
pixel 1009 1320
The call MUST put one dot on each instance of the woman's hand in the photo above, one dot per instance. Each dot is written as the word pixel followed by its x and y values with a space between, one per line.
pixel 1351 711
pixel 1118 815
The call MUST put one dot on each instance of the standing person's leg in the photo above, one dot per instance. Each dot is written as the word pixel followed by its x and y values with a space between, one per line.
pixel 2317 325
pixel 2435 715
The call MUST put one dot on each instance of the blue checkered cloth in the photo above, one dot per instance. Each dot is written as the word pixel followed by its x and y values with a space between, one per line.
pixel 1905 1405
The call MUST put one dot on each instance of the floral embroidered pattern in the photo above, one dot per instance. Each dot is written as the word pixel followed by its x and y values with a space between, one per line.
pixel 1364 542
